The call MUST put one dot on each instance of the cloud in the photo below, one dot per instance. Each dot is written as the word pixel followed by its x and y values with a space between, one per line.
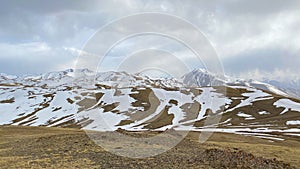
pixel 17 51
pixel 31 58
pixel 261 36
pixel 276 74
pixel 266 59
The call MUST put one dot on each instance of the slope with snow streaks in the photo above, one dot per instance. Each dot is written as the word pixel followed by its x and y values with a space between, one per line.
pixel 101 102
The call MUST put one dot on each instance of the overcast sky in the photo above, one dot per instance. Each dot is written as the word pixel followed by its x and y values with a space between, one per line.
pixel 254 39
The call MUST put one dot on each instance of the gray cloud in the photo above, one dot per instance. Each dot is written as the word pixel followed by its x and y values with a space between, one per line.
pixel 32 58
pixel 248 35
pixel 257 59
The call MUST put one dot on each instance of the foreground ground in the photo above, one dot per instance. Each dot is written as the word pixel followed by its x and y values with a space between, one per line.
pixel 41 147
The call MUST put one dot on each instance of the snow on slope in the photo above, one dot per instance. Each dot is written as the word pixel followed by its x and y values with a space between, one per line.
pixel 288 105
pixel 112 100
pixel 201 77
pixel 293 122
pixel 251 96
pixel 267 87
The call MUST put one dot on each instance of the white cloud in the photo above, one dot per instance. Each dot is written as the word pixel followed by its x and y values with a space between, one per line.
pixel 32 50
pixel 281 75
pixel 30 58
pixel 234 37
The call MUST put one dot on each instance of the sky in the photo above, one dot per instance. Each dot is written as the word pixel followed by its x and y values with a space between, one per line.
pixel 253 39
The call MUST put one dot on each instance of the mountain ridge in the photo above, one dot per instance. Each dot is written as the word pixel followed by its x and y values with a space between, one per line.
pixel 132 102
pixel 196 78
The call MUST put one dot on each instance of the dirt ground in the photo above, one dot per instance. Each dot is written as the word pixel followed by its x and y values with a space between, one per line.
pixel 42 147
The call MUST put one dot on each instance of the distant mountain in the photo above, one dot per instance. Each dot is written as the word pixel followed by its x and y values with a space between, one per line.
pixel 201 77
pixel 111 100
pixel 292 88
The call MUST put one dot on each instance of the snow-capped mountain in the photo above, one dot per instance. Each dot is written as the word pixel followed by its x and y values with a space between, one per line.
pixel 112 100
pixel 201 77
pixel 292 88
pixel 88 77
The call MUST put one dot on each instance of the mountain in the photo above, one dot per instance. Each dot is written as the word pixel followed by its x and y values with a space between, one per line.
pixel 292 87
pixel 118 100
pixel 201 77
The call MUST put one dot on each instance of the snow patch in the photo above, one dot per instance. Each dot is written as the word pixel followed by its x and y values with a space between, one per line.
pixel 293 122
pixel 288 105
pixel 263 113
pixel 241 114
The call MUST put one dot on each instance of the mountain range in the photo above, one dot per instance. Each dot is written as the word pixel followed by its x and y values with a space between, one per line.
pixel 109 101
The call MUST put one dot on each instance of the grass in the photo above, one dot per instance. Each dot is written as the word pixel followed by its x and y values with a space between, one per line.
pixel 42 147
pixel 288 150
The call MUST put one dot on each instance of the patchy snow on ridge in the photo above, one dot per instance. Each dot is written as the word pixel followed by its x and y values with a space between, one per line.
pixel 288 105
pixel 267 87
pixel 106 101
pixel 252 95
pixel 263 112
pixel 293 122
pixel 241 114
